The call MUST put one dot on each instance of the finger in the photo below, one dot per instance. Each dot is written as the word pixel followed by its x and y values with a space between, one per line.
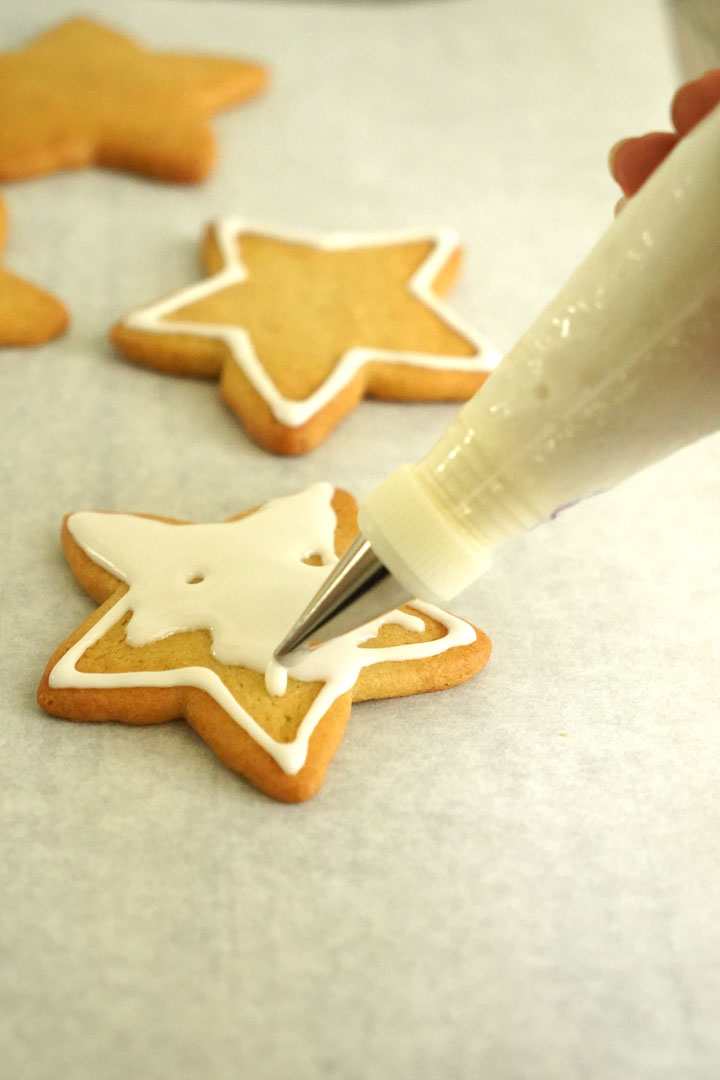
pixel 695 100
pixel 632 160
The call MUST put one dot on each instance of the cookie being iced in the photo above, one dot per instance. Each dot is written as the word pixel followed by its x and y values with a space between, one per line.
pixel 189 618
pixel 28 316
pixel 83 94
pixel 299 328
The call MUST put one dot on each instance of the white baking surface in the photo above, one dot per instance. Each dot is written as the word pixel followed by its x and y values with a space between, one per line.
pixel 516 880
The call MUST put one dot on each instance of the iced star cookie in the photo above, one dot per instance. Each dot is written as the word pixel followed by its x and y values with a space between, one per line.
pixel 83 94
pixel 28 316
pixel 190 615
pixel 299 328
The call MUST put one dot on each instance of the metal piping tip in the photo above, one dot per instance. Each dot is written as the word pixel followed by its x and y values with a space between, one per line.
pixel 358 589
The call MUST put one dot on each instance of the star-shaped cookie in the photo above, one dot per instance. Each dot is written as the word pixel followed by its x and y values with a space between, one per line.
pixel 83 94
pixel 299 327
pixel 28 316
pixel 189 618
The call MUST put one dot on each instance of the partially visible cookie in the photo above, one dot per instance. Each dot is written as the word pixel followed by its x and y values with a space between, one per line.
pixel 83 94
pixel 300 327
pixel 189 618
pixel 28 316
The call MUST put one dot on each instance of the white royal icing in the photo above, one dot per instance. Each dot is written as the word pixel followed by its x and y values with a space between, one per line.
pixel 245 581
pixel 154 318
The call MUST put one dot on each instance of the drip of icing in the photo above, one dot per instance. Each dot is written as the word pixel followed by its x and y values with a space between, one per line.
pixel 157 318
pixel 276 678
pixel 245 582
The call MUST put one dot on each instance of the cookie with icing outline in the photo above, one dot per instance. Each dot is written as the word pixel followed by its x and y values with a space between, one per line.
pixel 28 315
pixel 299 327
pixel 84 94
pixel 190 614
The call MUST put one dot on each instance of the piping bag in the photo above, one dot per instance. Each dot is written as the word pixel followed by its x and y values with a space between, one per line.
pixel 620 370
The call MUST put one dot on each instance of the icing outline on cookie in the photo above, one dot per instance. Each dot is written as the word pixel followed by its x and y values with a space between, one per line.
pixel 292 413
pixel 178 602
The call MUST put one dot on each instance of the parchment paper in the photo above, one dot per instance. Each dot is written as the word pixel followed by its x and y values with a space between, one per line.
pixel 517 880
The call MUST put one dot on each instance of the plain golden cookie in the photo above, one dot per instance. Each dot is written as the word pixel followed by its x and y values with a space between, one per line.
pixel 83 94
pixel 299 328
pixel 28 316
pixel 179 602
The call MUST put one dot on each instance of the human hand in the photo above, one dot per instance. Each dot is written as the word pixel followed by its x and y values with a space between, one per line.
pixel 632 160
